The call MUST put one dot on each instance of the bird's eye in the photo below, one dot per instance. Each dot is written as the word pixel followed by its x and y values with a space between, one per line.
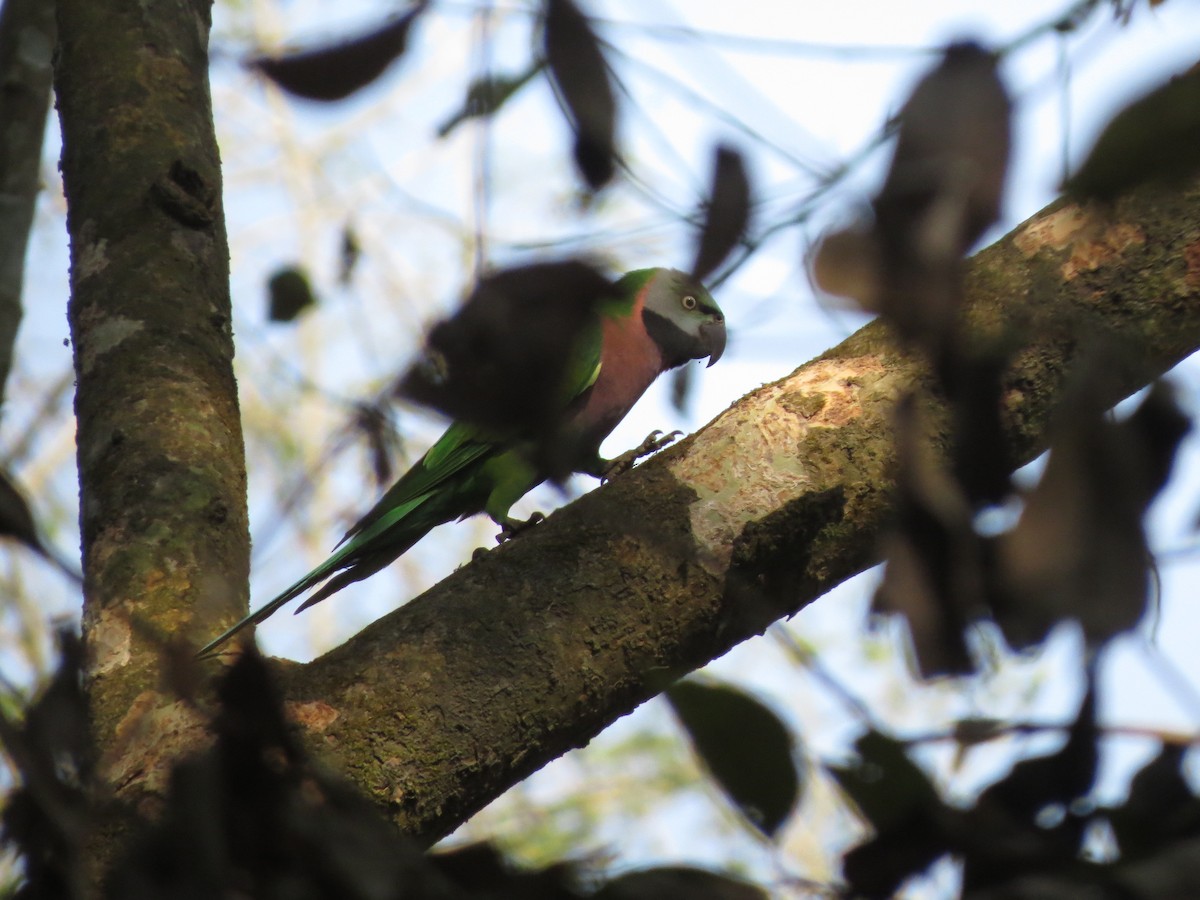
pixel 689 302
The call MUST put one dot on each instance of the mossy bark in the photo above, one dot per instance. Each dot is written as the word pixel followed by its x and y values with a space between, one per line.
pixel 537 646
pixel 160 455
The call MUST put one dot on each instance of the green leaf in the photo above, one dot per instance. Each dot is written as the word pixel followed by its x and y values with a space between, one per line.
pixel 744 747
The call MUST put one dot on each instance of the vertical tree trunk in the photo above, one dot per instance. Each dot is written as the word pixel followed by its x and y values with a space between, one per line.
pixel 161 461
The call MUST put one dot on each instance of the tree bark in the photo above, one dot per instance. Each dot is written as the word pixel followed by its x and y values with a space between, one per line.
pixel 531 650
pixel 161 462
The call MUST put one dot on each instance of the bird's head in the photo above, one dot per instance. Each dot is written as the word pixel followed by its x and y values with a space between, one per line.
pixel 682 318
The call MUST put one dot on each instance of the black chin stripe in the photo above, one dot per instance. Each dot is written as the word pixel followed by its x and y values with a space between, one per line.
pixel 677 346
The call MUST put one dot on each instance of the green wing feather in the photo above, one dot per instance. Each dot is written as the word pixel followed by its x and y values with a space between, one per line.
pixel 452 480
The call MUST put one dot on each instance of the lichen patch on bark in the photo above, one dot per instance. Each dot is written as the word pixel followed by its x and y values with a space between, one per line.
pixel 750 458
pixel 110 638
pixel 313 716
pixel 150 738
pixel 1092 239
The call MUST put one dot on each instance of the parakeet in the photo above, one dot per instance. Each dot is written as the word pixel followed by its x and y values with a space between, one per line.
pixel 657 319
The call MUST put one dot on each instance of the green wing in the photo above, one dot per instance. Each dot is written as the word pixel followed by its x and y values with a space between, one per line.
pixel 464 466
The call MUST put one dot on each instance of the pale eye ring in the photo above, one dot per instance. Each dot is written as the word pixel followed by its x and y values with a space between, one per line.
pixel 689 302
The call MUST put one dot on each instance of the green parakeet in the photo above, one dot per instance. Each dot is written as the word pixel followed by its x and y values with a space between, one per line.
pixel 657 319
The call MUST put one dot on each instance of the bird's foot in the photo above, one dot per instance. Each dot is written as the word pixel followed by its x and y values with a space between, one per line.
pixel 654 442
pixel 510 528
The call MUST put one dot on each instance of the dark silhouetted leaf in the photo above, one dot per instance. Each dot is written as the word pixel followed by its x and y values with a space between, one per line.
pixel 1004 835
pixel 678 883
pixel 482 871
pixel 16 521
pixel 913 828
pixel 1155 138
pixel 681 387
pixel 348 254
pixel 486 95
pixel 1056 779
pixel 973 385
pixel 374 422
pixel 334 72
pixel 745 748
pixel 253 817
pixel 289 294
pixel 942 191
pixel 581 75
pixel 727 212
pixel 1161 806
pixel 884 783
pixel 46 817
pixel 504 359
pixel 1079 550
pixel 934 569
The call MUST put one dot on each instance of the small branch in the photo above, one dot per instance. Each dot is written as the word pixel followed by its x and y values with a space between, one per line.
pixel 27 35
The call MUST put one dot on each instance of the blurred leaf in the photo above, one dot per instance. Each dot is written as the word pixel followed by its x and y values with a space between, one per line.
pixel 974 387
pixel 1005 836
pixel 678 883
pixel 1155 138
pixel 17 522
pixel 913 828
pixel 933 575
pixel 16 519
pixel 744 747
pixel 942 191
pixel 681 387
pixel 336 71
pixel 884 783
pixel 1079 550
pixel 581 75
pixel 349 254
pixel 727 212
pixel 374 422
pixel 487 94
pixel 289 294
pixel 847 263
pixel 947 174
pixel 481 870
pixel 505 358
pixel 1056 779
pixel 253 817
pixel 1161 806
pixel 46 817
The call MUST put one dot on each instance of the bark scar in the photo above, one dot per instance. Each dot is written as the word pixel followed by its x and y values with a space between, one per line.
pixel 185 196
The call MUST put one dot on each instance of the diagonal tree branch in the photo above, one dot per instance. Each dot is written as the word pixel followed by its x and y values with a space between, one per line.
pixel 530 651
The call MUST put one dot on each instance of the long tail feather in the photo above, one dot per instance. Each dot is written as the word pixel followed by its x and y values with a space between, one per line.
pixel 264 612
pixel 343 558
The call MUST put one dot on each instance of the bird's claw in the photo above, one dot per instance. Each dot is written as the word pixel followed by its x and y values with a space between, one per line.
pixel 510 528
pixel 654 442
